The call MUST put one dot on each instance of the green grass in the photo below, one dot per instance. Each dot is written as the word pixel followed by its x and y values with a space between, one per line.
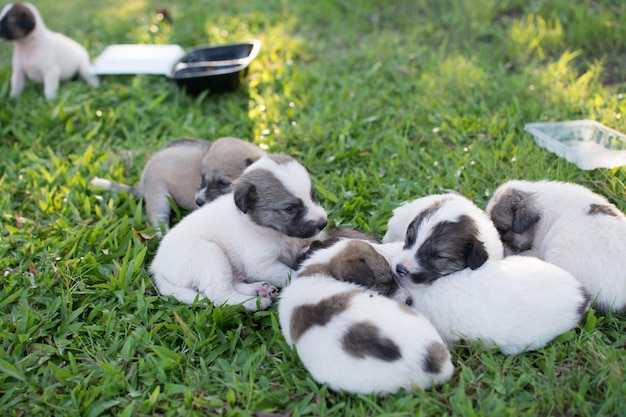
pixel 384 101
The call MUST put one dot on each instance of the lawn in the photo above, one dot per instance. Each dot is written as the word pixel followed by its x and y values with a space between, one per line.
pixel 383 101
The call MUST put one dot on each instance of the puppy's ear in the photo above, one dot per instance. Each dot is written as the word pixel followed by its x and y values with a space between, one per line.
pixel 477 254
pixel 355 270
pixel 245 195
pixel 524 214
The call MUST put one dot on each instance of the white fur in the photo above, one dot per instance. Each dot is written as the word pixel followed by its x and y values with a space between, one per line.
pixel 47 57
pixel 213 249
pixel 517 304
pixel 321 350
pixel 590 247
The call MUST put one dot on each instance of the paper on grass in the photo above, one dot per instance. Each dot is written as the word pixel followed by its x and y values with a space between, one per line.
pixel 137 59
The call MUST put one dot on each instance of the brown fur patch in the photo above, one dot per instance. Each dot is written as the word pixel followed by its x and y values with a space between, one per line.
pixel 360 264
pixel 309 315
pixel 364 339
pixel 605 209
pixel 437 354
pixel 314 269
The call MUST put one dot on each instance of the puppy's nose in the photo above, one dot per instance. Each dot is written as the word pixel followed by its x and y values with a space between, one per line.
pixel 402 270
pixel 321 225
pixel 409 301
pixel 199 202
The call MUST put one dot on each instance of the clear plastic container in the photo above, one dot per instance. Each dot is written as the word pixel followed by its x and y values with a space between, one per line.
pixel 586 143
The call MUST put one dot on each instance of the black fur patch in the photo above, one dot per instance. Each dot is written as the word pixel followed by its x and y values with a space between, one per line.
pixel 18 23
pixel 364 339
pixel 584 306
pixel 414 226
pixel 436 356
pixel 451 247
pixel 604 209
pixel 309 315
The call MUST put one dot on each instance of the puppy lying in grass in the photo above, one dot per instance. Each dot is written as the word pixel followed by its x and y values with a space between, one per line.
pixel 242 245
pixel 349 335
pixel 569 226
pixel 515 303
pixel 192 172
pixel 39 54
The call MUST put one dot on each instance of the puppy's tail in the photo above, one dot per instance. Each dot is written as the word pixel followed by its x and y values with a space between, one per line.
pixel 112 186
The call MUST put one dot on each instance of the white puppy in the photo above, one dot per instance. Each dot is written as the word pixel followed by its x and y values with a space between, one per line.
pixel 190 171
pixel 40 54
pixel 254 235
pixel 352 337
pixel 570 226
pixel 515 303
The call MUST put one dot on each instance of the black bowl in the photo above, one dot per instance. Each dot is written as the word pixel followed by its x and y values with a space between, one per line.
pixel 218 69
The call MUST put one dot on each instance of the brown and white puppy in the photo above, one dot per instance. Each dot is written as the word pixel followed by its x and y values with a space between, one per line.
pixel 570 226
pixel 516 303
pixel 43 56
pixel 242 244
pixel 348 334
pixel 189 171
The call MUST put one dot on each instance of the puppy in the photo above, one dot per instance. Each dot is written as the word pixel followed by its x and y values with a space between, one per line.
pixel 242 244
pixel 190 171
pixel 456 206
pixel 570 226
pixel 516 303
pixel 41 55
pixel 352 337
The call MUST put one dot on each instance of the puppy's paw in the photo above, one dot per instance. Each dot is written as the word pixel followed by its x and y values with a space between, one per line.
pixel 264 289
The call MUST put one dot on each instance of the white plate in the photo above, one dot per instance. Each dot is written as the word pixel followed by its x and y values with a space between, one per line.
pixel 586 143
pixel 137 59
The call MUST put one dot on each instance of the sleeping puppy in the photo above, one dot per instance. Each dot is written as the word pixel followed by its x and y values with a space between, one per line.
pixel 456 206
pixel 516 303
pixel 570 226
pixel 242 244
pixel 189 171
pixel 353 338
pixel 41 55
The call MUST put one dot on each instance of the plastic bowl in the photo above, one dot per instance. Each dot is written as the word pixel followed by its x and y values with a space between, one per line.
pixel 218 69
pixel 586 143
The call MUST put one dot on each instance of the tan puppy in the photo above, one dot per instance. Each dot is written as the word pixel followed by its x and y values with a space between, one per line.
pixel 44 56
pixel 191 172
pixel 223 164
